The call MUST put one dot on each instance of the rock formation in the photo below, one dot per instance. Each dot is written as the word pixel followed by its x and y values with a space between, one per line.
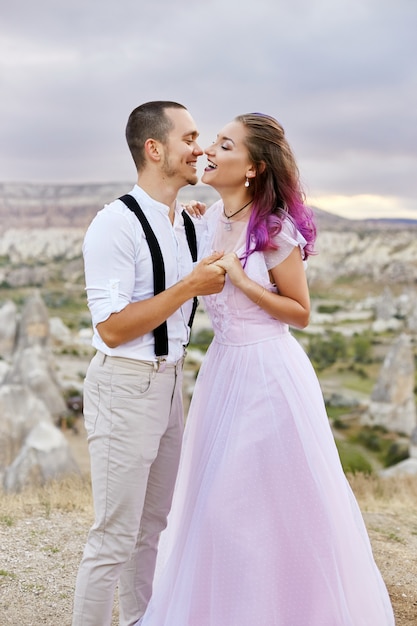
pixel 32 364
pixel 41 233
pixel 8 329
pixel 45 455
pixel 392 403
pixel 413 444
pixel 32 448
pixel 46 223
pixel 385 305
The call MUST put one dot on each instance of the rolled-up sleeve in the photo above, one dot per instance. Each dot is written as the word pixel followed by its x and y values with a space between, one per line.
pixel 110 249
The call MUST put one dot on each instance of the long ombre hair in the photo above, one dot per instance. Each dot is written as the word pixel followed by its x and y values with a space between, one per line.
pixel 277 191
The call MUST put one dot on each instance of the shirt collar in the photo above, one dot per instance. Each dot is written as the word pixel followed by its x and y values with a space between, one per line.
pixel 141 195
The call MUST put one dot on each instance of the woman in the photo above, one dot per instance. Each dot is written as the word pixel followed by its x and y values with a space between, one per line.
pixel 264 528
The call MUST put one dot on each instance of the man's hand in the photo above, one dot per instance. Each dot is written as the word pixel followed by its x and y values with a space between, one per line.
pixel 207 277
pixel 138 318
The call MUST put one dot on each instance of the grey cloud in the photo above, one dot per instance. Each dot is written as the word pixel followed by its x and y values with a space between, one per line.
pixel 340 76
pixel 362 174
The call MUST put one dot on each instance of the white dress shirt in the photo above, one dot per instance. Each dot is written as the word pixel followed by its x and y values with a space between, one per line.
pixel 118 270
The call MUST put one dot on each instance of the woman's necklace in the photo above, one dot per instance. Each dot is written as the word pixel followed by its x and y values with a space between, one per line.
pixel 228 224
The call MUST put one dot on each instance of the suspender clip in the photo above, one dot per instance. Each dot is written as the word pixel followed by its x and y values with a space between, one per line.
pixel 161 362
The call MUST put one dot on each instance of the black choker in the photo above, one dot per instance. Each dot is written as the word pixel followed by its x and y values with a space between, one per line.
pixel 228 225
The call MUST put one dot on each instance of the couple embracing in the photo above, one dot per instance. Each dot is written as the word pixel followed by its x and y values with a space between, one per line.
pixel 263 528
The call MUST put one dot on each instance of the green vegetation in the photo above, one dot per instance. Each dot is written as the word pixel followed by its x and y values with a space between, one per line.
pixel 326 349
pixel 328 308
pixel 352 379
pixel 70 307
pixel 6 520
pixel 377 440
pixel 395 537
pixel 396 453
pixel 352 459
pixel 356 443
pixel 348 362
pixel 362 348
pixel 201 339
pixel 70 304
pixel 51 549
pixel 5 574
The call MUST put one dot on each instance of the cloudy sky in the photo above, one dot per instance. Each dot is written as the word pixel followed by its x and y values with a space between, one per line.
pixel 340 75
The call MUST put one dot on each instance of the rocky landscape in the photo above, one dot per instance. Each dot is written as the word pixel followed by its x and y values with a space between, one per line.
pixel 363 280
pixel 363 285
pixel 44 224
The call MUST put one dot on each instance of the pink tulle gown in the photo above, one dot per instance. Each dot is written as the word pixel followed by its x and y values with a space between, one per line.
pixel 264 529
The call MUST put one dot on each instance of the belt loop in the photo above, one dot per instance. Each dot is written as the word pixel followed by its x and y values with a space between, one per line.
pixel 102 357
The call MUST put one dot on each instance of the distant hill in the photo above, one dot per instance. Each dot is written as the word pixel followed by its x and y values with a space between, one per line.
pixel 330 221
pixel 40 223
pixel 44 205
pixel 398 222
pixel 30 205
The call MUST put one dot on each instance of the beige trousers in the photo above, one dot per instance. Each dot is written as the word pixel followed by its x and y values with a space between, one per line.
pixel 134 420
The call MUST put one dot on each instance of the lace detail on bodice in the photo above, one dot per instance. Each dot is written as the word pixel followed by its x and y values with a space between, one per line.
pixel 236 320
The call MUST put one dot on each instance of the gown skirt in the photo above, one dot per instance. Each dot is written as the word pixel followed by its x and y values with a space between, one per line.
pixel 264 528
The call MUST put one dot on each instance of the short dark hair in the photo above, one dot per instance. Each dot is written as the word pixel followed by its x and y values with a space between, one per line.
pixel 147 121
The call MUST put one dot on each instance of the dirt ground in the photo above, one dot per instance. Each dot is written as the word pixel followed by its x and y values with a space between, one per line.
pixel 42 534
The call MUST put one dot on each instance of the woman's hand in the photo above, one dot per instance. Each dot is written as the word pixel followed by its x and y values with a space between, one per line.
pixel 291 304
pixel 195 208
pixel 231 264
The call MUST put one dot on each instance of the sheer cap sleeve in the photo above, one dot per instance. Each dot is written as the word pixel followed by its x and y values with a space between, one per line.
pixel 286 240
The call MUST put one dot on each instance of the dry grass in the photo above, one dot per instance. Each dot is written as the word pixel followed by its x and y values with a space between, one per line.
pixel 42 534
pixel 389 507
pixel 374 491
pixel 74 494
pixel 69 495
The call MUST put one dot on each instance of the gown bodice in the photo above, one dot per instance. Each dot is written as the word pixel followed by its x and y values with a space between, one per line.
pixel 236 320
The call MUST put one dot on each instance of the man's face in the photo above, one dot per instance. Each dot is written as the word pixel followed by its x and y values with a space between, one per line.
pixel 182 150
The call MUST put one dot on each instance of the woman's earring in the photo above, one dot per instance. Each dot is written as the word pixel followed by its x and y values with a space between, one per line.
pixel 247 182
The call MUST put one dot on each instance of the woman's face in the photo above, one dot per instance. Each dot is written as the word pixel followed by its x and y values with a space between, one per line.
pixel 228 159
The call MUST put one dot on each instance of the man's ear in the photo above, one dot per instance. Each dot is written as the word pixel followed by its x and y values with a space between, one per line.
pixel 153 149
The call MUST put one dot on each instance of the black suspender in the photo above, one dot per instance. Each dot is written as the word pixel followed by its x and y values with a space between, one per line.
pixel 192 244
pixel 161 333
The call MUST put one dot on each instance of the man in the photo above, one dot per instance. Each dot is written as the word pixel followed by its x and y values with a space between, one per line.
pixel 132 396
